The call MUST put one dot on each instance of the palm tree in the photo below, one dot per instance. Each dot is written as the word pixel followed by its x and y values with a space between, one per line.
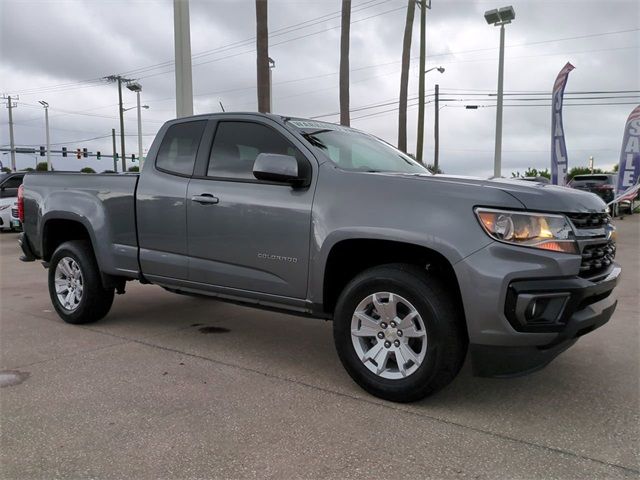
pixel 404 76
pixel 344 62
pixel 262 48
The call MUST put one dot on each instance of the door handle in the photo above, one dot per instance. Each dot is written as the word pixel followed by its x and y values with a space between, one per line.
pixel 205 199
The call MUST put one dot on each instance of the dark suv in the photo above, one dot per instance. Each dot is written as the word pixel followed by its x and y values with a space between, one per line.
pixel 603 185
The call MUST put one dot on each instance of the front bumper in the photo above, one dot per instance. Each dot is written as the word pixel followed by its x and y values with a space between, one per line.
pixel 501 342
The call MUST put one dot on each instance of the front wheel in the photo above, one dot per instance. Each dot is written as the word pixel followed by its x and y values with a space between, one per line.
pixel 75 286
pixel 399 333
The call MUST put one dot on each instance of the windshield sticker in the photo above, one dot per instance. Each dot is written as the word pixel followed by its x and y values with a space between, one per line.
pixel 321 125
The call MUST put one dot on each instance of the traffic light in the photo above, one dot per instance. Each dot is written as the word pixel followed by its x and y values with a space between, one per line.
pixel 42 151
pixel 64 151
pixel 78 154
pixel 98 155
pixel 84 153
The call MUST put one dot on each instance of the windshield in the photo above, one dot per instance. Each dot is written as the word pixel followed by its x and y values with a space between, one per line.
pixel 354 150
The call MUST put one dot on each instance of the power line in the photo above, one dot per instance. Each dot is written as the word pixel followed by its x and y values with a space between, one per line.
pixel 273 33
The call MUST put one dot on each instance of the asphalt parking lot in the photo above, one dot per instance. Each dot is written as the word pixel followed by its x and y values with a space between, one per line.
pixel 168 386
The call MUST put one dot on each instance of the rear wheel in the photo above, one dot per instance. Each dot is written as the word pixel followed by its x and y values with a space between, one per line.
pixel 75 286
pixel 399 333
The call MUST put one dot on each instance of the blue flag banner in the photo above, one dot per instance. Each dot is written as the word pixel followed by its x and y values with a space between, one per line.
pixel 558 146
pixel 629 167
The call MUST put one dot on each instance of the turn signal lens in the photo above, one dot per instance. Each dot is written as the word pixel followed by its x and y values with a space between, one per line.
pixel 528 229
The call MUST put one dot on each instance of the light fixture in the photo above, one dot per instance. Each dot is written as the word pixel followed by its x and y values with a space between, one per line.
pixel 500 16
pixel 134 86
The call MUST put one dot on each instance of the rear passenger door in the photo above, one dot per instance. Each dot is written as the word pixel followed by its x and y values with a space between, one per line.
pixel 254 235
pixel 161 201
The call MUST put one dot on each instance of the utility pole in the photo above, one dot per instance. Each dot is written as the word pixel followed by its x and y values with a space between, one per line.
pixel 424 4
pixel 115 153
pixel 404 76
pixel 182 39
pixel 436 130
pixel 12 143
pixel 345 31
pixel 119 79
pixel 262 56
pixel 46 126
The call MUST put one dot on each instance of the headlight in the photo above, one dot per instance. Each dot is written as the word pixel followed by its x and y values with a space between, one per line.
pixel 537 230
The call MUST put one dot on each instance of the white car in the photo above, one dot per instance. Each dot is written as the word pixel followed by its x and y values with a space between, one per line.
pixel 9 220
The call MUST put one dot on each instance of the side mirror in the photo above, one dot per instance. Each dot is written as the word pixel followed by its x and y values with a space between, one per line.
pixel 276 168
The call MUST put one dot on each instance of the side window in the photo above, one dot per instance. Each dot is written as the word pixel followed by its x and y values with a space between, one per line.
pixel 237 144
pixel 179 146
pixel 13 182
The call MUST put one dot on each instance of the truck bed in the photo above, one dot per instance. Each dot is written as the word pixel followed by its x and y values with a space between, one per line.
pixel 104 203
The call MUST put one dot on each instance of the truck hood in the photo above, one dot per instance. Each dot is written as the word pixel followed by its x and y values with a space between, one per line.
pixel 532 195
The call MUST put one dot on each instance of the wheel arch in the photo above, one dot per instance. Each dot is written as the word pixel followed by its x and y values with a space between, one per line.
pixel 348 257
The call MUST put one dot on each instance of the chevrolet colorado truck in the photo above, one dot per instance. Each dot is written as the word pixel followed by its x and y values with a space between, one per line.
pixel 317 219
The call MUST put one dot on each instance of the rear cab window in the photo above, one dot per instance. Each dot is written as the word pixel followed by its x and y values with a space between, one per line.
pixel 177 153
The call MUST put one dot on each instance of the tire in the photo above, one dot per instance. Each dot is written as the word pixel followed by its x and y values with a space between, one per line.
pixel 434 310
pixel 94 300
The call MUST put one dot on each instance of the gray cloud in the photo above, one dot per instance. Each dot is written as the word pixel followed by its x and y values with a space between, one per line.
pixel 45 43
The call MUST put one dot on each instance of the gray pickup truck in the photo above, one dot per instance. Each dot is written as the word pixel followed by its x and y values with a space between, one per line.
pixel 316 219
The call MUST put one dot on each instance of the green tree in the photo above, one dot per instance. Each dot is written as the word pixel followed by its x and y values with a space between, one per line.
pixel 133 169
pixel 615 168
pixel 6 170
pixel 41 167
pixel 433 170
pixel 532 172
pixel 87 170
pixel 109 171
pixel 28 169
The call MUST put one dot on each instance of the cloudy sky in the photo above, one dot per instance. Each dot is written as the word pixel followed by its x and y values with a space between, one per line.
pixel 57 51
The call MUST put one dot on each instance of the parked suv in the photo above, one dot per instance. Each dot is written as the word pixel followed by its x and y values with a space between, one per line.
pixel 322 220
pixel 603 185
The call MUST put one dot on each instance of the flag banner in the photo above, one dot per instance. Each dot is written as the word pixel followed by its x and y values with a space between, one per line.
pixel 629 166
pixel 558 146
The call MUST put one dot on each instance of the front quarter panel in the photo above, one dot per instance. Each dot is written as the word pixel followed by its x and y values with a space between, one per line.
pixel 409 209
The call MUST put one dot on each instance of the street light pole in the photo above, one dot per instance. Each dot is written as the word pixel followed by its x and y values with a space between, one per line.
pixel 272 65
pixel 136 87
pixel 140 159
pixel 124 157
pixel 46 126
pixel 497 161
pixel 499 17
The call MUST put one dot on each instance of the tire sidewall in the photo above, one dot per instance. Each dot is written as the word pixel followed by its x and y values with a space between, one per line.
pixel 87 268
pixel 353 294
